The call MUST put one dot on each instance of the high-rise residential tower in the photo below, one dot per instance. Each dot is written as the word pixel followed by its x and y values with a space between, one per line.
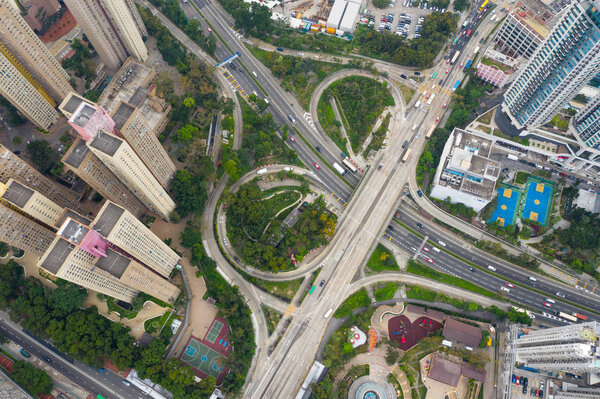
pixel 132 125
pixel 24 92
pixel 85 164
pixel 139 22
pixel 31 202
pixel 20 40
pixel 111 28
pixel 573 348
pixel 562 64
pixel 84 255
pixel 587 123
pixel 22 232
pixel 96 127
pixel 130 235
pixel 11 166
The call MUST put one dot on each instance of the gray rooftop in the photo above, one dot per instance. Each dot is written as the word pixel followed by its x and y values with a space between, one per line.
pixel 139 96
pixel 113 263
pixel 73 231
pixel 122 114
pixel 82 117
pixel 77 154
pixel 18 194
pixel 107 143
pixel 106 221
pixel 72 105
pixel 67 213
pixel 57 255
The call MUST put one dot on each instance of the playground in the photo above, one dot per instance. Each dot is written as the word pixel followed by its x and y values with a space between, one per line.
pixel 208 356
pixel 538 201
pixel 506 211
pixel 408 334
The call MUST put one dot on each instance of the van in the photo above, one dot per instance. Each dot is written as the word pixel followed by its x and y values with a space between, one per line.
pixel 492 268
pixel 291 118
pixel 405 144
pixel 126 383
pixel 436 249
pixel 255 75
pixel 443 244
pixel 533 279
pixel 550 300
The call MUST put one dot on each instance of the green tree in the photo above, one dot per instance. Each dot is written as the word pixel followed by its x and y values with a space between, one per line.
pixel 68 297
pixel 32 379
pixel 42 155
pixel 189 102
pixel 189 191
pixel 186 133
pixel 232 169
pixel 381 3
pixel 391 356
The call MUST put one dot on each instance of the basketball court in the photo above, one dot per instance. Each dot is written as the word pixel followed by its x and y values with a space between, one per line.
pixel 538 201
pixel 506 211
pixel 203 358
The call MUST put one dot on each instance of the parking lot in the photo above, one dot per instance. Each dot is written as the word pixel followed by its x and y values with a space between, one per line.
pixel 397 8
pixel 536 385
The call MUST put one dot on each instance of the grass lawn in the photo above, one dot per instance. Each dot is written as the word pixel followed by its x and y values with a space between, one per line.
pixel 379 135
pixel 421 270
pixel 499 65
pixel 385 292
pixel 281 289
pixel 156 323
pixel 272 316
pixel 354 301
pixel 486 118
pixel 361 101
pixel 382 260
pixel 330 124
pixel 407 92
pixel 521 177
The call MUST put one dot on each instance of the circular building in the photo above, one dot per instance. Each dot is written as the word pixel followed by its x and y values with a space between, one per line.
pixel 368 387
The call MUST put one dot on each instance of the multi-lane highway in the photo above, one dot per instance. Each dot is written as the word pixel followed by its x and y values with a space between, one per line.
pixel 108 384
pixel 483 276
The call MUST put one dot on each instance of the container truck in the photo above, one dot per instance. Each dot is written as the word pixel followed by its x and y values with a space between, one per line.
pixel 567 316
pixel 456 85
pixel 580 316
pixel 337 167
pixel 476 50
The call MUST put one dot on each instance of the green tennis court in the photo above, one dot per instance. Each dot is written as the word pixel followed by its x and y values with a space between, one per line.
pixel 203 358
pixel 214 331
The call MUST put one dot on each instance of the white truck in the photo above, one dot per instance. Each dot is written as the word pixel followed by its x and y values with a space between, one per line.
pixel 337 167
pixel 261 171
pixel 513 157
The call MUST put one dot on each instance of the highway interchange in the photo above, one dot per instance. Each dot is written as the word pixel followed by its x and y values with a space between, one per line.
pixel 369 212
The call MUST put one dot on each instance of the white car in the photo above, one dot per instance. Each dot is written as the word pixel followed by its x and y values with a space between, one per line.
pixel 504 289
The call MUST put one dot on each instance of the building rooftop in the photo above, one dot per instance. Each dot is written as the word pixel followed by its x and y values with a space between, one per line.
pixel 76 154
pixel 107 143
pixel 457 331
pixel 138 96
pixel 444 370
pixel 17 194
pixel 122 114
pixel 125 84
pixel 113 263
pixel 291 219
pixel 72 103
pixel 73 231
pixel 56 255
pixel 67 213
pixel 106 221
pixel 83 114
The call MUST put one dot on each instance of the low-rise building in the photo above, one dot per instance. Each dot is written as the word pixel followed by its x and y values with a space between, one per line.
pixel 466 174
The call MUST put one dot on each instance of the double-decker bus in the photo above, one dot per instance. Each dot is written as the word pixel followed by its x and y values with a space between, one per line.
pixel 482 6
pixel 456 55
